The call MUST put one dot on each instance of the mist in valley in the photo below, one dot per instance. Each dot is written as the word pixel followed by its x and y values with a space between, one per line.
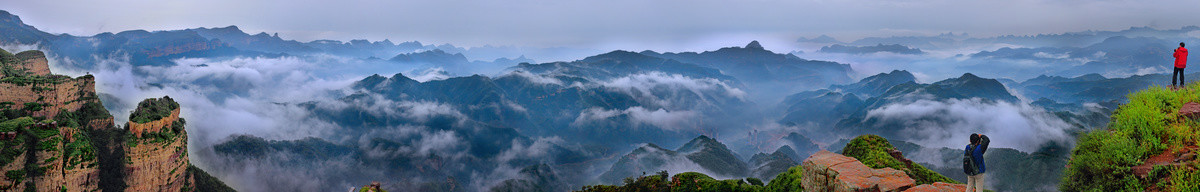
pixel 284 115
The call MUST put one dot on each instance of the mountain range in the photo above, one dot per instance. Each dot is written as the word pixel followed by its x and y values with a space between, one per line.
pixel 444 120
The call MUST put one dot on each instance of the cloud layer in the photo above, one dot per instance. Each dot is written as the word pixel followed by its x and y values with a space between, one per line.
pixel 950 123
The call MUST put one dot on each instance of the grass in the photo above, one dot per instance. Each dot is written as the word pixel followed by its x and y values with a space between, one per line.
pixel 1148 125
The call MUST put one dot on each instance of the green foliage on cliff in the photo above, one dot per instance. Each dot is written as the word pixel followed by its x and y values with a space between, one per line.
pixel 165 135
pixel 1146 126
pixel 206 182
pixel 79 151
pixel 91 111
pixel 153 109
pixel 15 175
pixel 788 181
pixel 7 63
pixel 10 149
pixel 873 150
pixel 689 181
pixel 25 79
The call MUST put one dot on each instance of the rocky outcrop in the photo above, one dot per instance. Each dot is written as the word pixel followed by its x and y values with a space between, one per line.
pixel 153 126
pixel 827 171
pixel 28 83
pixel 70 152
pixel 158 165
pixel 33 62
pixel 1191 110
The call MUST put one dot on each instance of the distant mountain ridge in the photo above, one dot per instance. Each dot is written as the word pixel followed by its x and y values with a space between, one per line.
pixel 753 63
pixel 709 154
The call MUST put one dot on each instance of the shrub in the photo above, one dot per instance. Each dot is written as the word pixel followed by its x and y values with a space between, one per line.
pixel 873 150
pixel 153 109
pixel 1148 125
pixel 787 181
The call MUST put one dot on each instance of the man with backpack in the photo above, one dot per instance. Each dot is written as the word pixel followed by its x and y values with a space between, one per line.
pixel 973 161
pixel 1180 63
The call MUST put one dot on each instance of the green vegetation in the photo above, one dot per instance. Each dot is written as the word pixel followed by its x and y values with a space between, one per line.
pixel 33 106
pixel 873 150
pixel 1146 126
pixel 10 150
pixel 153 109
pixel 79 151
pixel 23 79
pixel 15 175
pixel 91 111
pixel 788 181
pixel 8 61
pixel 689 181
pixel 166 135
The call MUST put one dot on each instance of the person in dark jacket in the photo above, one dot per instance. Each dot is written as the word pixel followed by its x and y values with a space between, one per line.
pixel 979 145
pixel 1180 63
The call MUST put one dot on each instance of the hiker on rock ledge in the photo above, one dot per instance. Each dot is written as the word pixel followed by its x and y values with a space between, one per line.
pixel 973 161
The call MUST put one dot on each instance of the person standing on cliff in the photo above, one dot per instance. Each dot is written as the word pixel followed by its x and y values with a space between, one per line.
pixel 979 145
pixel 1180 63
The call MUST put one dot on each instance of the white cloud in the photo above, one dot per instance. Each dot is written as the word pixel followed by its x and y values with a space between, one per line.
pixel 540 79
pixel 430 74
pixel 950 123
pixel 1051 55
pixel 668 120
pixel 537 150
pixel 662 89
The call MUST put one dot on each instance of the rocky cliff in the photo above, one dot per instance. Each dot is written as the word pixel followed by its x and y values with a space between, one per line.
pixel 826 171
pixel 157 153
pixel 57 136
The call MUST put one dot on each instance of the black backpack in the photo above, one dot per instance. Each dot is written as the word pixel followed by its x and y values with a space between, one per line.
pixel 969 166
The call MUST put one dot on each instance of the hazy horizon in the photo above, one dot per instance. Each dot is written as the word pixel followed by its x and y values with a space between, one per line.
pixel 629 25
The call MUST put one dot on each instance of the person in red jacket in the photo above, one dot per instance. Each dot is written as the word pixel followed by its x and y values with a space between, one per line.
pixel 1180 63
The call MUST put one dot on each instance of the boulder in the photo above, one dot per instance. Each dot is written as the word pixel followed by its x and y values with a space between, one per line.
pixel 1191 110
pixel 827 171
pixel 938 186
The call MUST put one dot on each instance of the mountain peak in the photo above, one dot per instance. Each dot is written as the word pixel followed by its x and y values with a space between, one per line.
pixel 968 76
pixel 701 142
pixel 754 45
pixel 9 17
pixel 231 28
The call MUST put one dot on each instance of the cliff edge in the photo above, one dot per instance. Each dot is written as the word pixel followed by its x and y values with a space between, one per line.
pixel 57 136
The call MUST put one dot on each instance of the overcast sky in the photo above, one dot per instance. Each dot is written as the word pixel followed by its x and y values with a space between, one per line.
pixel 629 24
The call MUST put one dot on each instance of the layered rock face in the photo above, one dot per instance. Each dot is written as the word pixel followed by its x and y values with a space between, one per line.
pixel 157 162
pixel 153 126
pixel 827 171
pixel 27 80
pixel 56 136
pixel 34 62
pixel 43 151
